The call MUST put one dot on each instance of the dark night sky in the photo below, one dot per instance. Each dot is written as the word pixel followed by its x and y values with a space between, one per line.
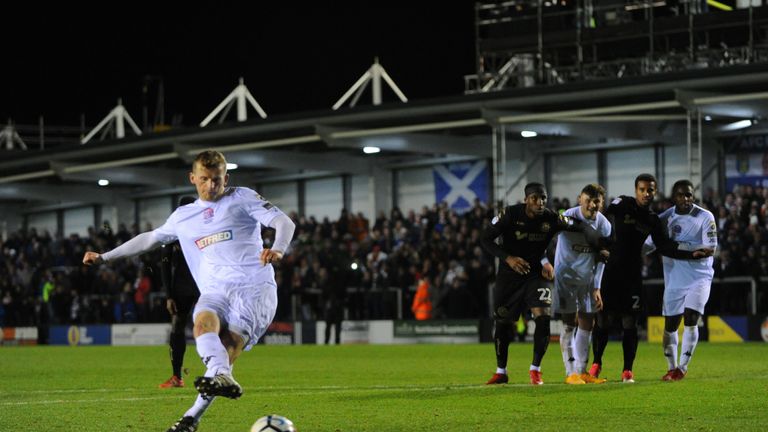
pixel 293 59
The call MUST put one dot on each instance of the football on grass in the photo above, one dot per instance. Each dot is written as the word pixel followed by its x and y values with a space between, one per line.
pixel 273 423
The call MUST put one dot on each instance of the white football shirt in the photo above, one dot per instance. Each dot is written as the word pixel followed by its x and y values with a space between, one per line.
pixel 221 240
pixel 574 257
pixel 692 231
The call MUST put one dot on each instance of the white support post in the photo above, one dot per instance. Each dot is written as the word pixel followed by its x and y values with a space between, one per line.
pixel 373 75
pixel 376 79
pixel 116 118
pixel 9 138
pixel 240 96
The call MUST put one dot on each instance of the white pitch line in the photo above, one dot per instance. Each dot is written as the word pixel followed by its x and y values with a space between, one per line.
pixel 292 390
pixel 298 390
pixel 101 390
pixel 269 389
pixel 69 401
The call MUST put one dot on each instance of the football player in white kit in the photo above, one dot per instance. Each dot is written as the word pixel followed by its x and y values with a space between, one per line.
pixel 686 282
pixel 577 284
pixel 220 236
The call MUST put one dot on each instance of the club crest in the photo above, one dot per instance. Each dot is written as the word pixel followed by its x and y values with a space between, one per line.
pixel 208 215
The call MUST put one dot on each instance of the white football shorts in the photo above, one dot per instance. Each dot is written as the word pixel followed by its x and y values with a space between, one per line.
pixel 572 297
pixel 247 310
pixel 677 299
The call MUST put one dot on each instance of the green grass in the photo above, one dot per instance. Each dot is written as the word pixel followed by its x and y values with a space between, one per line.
pixel 382 388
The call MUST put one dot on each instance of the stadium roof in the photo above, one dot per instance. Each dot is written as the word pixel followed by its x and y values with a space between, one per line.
pixel 583 116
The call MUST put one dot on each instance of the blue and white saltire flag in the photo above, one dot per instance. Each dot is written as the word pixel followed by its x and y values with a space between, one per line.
pixel 459 184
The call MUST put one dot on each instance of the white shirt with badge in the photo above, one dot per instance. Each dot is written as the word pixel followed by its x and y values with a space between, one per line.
pixel 222 240
pixel 574 258
pixel 692 231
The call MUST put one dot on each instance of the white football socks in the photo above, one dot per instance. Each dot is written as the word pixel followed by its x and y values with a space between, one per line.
pixel 213 354
pixel 581 350
pixel 199 408
pixel 690 339
pixel 669 342
pixel 566 348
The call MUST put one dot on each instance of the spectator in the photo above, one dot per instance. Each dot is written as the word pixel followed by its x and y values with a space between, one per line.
pixel 387 255
pixel 422 304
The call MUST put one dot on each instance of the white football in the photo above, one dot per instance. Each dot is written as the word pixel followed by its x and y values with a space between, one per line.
pixel 273 423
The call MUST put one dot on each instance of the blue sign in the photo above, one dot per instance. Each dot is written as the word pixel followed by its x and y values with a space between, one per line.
pixel 81 335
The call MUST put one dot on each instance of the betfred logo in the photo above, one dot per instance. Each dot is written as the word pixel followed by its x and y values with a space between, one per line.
pixel 206 241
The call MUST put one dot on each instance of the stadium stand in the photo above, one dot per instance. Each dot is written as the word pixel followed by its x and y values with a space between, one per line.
pixel 379 262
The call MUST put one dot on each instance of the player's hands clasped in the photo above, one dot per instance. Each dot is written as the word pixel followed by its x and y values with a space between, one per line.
pixel 518 264
pixel 703 253
pixel 269 256
pixel 92 258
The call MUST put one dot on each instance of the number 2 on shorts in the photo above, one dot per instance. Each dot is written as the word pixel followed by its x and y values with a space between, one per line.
pixel 546 295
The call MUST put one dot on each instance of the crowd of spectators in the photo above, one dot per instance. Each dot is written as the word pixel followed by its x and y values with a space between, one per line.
pixel 353 264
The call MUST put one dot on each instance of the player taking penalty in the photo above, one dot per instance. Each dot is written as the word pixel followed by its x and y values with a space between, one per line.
pixel 220 236
pixel 578 271
pixel 686 283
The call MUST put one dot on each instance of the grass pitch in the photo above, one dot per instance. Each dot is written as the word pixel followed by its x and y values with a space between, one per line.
pixel 382 388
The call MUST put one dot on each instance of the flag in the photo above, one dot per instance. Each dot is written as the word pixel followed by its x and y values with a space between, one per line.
pixel 459 184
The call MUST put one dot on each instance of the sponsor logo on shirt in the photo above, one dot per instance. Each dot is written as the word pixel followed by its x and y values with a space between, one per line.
pixel 582 249
pixel 545 227
pixel 712 231
pixel 267 205
pixel 206 241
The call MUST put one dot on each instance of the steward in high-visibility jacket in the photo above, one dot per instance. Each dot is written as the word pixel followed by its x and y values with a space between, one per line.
pixel 422 305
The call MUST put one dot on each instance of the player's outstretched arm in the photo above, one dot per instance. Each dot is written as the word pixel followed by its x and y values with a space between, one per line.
pixel 141 243
pixel 669 247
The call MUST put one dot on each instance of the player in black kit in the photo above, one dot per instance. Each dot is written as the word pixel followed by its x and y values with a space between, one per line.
pixel 182 295
pixel 632 221
pixel 523 281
